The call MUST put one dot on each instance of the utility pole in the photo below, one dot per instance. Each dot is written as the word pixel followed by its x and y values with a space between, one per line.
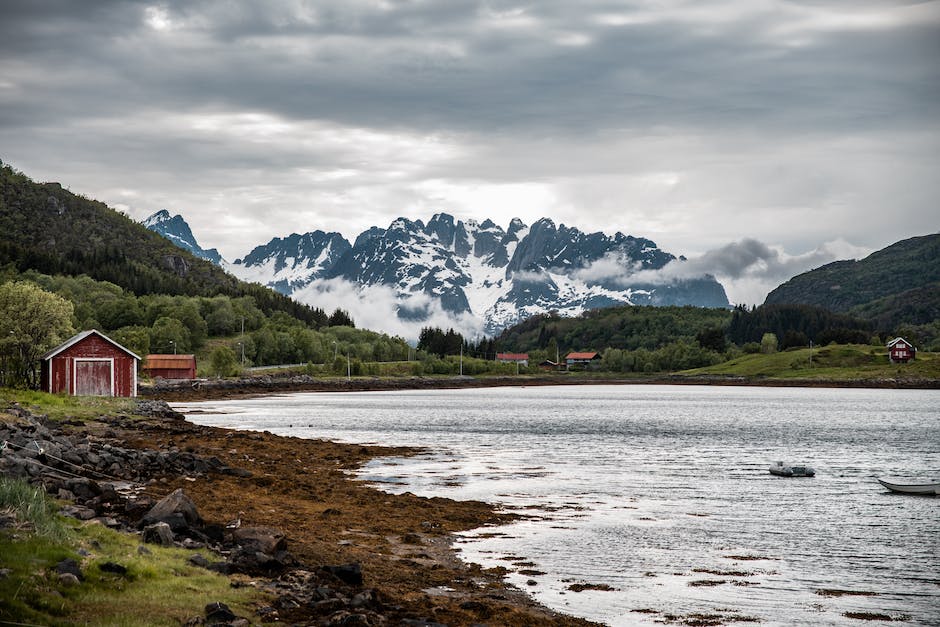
pixel 348 372
pixel 242 343
pixel 811 353
pixel 461 359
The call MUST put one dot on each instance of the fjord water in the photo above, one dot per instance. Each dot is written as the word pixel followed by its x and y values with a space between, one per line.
pixel 662 492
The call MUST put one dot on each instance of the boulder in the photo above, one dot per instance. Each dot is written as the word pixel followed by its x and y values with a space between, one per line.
pixel 219 613
pixel 158 533
pixel 113 568
pixel 261 539
pixel 253 562
pixel 70 567
pixel 176 509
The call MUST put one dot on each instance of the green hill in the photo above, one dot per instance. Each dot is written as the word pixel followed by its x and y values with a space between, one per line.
pixel 836 362
pixel 46 228
pixel 897 285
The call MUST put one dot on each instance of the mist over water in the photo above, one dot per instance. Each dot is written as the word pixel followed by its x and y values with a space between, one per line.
pixel 662 492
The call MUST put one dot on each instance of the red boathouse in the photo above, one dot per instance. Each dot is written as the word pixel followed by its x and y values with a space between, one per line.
pixel 170 366
pixel 89 364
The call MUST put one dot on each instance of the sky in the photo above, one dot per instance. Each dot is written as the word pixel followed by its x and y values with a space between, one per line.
pixel 758 138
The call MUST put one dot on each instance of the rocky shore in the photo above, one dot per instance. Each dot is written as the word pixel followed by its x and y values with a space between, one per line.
pixel 284 512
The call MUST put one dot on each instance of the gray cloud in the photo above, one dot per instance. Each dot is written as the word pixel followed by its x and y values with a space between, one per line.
pixel 692 123
pixel 748 268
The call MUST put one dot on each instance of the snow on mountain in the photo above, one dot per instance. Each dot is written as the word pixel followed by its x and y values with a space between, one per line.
pixel 175 229
pixel 291 263
pixel 467 271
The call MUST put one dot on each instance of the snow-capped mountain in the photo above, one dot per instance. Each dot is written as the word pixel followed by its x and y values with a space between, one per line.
pixel 498 276
pixel 291 263
pixel 175 229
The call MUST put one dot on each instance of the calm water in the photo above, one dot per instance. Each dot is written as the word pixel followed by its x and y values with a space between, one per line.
pixel 659 491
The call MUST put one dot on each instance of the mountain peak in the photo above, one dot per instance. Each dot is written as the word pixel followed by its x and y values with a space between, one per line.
pixel 160 216
pixel 176 229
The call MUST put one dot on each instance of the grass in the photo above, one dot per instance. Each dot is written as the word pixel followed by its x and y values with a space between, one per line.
pixel 62 407
pixel 159 588
pixel 834 362
pixel 30 506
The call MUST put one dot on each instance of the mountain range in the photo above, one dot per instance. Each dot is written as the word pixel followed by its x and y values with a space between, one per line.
pixel 466 268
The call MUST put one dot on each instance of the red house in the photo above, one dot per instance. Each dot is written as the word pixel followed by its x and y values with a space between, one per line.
pixel 89 364
pixel 583 360
pixel 171 366
pixel 900 351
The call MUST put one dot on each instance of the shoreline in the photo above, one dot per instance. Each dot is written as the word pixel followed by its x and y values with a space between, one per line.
pixel 211 389
pixel 401 547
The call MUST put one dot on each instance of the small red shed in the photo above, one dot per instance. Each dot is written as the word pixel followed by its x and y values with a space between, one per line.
pixel 171 366
pixel 89 364
pixel 900 351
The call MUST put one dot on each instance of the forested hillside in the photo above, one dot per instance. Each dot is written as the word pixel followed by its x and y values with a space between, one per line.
pixel 53 231
pixel 897 285
pixel 629 328
pixel 151 296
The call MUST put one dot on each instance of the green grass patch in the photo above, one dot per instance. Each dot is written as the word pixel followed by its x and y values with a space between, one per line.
pixel 30 506
pixel 833 362
pixel 159 588
pixel 63 407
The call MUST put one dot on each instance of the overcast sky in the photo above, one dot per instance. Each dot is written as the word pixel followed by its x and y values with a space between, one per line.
pixel 774 134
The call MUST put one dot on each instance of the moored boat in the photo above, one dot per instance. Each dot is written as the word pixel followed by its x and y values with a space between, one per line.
pixel 791 470
pixel 911 486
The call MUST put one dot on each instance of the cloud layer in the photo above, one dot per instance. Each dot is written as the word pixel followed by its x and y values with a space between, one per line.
pixel 691 123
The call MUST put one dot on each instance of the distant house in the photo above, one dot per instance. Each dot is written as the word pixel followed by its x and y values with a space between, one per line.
pixel 170 366
pixel 89 364
pixel 513 358
pixel 900 351
pixel 549 365
pixel 581 360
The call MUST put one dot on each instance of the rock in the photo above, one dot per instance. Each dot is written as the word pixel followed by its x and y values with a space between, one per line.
pixel 158 533
pixel 347 573
pixel 114 568
pixel 5 572
pixel 175 509
pixel 218 613
pixel 68 580
pixel 79 512
pixel 157 409
pixel 252 562
pixel 198 560
pixel 261 539
pixel 366 599
pixel 83 489
pixel 71 567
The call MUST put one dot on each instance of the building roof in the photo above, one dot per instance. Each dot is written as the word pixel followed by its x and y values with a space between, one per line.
pixel 581 356
pixel 513 356
pixel 181 362
pixel 78 337
pixel 898 340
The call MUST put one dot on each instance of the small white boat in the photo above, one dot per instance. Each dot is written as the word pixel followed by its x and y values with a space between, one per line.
pixel 908 486
pixel 791 470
